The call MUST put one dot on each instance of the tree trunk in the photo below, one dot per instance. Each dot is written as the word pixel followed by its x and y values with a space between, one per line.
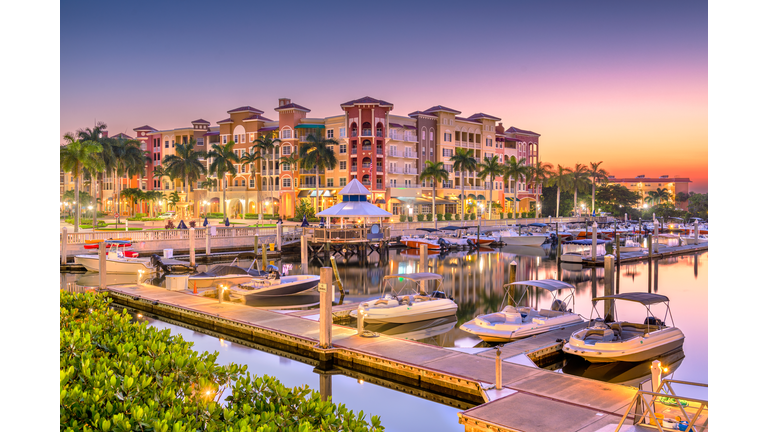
pixel 93 198
pixel 463 196
pixel 593 195
pixel 77 203
pixel 224 196
pixel 317 190
pixel 434 211
pixel 490 200
pixel 575 204
pixel 557 207
pixel 515 203
pixel 117 206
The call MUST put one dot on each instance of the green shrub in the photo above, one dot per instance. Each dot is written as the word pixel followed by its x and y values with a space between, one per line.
pixel 118 375
pixel 150 219
pixel 140 215
pixel 472 216
pixel 439 217
pixel 447 216
pixel 410 218
pixel 420 217
pixel 402 218
pixel 510 215
pixel 214 215
pixel 429 217
pixel 256 216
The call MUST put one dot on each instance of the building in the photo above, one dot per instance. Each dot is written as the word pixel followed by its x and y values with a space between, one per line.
pixel 642 185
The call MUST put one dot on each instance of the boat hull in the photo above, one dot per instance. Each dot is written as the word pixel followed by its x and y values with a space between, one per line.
pixel 127 266
pixel 416 244
pixel 633 350
pixel 207 282
pixel 287 286
pixel 533 240
pixel 502 333
pixel 408 314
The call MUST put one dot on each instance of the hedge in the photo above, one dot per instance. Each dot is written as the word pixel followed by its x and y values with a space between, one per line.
pixel 472 216
pixel 402 218
pixel 256 216
pixel 118 375
pixel 429 217
pixel 439 217
pixel 448 216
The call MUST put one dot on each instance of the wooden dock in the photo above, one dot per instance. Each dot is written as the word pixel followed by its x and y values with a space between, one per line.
pixel 664 252
pixel 531 398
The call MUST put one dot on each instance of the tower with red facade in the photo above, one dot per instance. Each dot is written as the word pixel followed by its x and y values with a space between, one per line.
pixel 367 120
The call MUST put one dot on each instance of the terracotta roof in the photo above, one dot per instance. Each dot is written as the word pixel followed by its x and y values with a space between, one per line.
pixel 201 121
pixel 258 117
pixel 122 135
pixel 292 106
pixel 442 108
pixel 650 180
pixel 482 115
pixel 522 131
pixel 226 120
pixel 245 108
pixel 145 128
pixel 366 101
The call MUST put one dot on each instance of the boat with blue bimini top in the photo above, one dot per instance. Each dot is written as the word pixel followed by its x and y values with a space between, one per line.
pixel 516 322
pixel 608 341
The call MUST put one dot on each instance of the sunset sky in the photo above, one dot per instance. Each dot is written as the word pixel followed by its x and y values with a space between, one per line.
pixel 621 82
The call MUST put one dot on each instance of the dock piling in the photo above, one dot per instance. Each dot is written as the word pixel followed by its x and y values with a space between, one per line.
pixel 192 246
pixel 360 319
pixel 608 285
pixel 655 235
pixel 64 245
pixel 102 265
pixel 264 257
pixel 208 240
pixel 594 241
pixel 338 279
pixel 279 239
pixel 423 251
pixel 656 375
pixel 304 253
pixel 498 368
pixel 695 232
pixel 326 302
pixel 256 244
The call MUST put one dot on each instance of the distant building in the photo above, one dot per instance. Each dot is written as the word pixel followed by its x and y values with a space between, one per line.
pixel 642 185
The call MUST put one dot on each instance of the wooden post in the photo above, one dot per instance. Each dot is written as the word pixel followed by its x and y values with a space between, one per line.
pixel 608 285
pixel 338 279
pixel 656 375
pixel 423 252
pixel 650 263
pixel 559 245
pixel 64 245
pixel 103 265
pixel 326 302
pixel 256 244
pixel 695 232
pixel 594 241
pixel 656 234
pixel 192 246
pixel 208 240
pixel 498 368
pixel 279 239
pixel 263 257
pixel 304 253
pixel 512 278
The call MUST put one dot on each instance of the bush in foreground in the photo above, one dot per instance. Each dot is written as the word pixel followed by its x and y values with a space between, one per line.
pixel 116 375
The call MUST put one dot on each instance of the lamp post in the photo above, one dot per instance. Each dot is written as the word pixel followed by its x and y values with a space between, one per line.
pixel 90 208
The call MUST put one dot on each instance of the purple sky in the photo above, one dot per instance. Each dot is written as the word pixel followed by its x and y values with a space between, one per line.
pixel 621 82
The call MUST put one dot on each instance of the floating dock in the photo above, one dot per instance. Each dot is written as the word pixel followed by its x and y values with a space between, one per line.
pixel 664 252
pixel 530 398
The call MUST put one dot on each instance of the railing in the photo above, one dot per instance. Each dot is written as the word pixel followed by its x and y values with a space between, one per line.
pixel 366 133
pixel 410 138
pixel 366 183
pixel 394 170
pixel 645 403
pixel 353 151
pixel 379 133
pixel 341 234
pixel 379 151
pixel 354 133
pixel 366 148
pixel 171 234
pixel 410 155
pixel 394 153
pixel 379 169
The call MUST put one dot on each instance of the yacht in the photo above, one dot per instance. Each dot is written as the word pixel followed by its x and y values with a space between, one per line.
pixel 119 261
pixel 405 298
pixel 515 321
pixel 604 341
pixel 415 242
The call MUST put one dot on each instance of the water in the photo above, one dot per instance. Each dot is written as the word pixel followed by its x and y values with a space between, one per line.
pixel 475 280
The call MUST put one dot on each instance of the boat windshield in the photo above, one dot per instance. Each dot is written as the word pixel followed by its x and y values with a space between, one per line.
pixel 411 283
pixel 551 285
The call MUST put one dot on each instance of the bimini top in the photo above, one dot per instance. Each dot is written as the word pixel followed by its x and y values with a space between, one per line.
pixel 451 228
pixel 640 297
pixel 547 284
pixel 416 277
pixel 118 242
pixel 537 224
pixel 429 230
pixel 586 242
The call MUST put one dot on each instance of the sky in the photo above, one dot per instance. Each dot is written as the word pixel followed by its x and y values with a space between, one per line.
pixel 620 82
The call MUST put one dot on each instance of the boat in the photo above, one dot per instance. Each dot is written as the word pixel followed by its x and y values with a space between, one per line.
pixel 513 238
pixel 482 239
pixel 631 246
pixel 453 239
pixel 274 284
pixel 410 301
pixel 691 239
pixel 515 322
pixel 575 251
pixel 119 242
pixel 415 242
pixel 605 341
pixel 119 261
pixel 229 275
pixel 668 239
pixel 418 330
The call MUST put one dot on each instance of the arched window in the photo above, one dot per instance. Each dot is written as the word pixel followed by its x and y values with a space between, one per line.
pixel 353 127
pixel 379 130
pixel 366 129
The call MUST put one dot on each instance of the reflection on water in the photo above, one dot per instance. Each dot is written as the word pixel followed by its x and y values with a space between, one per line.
pixel 475 281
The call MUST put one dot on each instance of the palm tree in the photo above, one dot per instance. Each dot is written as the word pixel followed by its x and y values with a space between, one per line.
pixel 153 197
pixel 74 157
pixel 538 175
pixel 174 198
pixel 463 161
pixel 490 167
pixel 663 194
pixel 562 179
pixel 317 154
pixel 131 194
pixel 514 171
pixel 598 175
pixel 130 160
pixel 185 165
pixel 265 145
pixel 95 135
pixel 579 181
pixel 651 197
pixel 222 157
pixel 435 172
pixel 252 159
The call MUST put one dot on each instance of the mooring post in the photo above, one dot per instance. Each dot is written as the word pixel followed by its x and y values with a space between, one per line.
pixel 304 258
pixel 192 246
pixel 279 239
pixel 512 278
pixel 360 319
pixel 594 241
pixel 656 375
pixel 326 302
pixel 208 240
pixel 608 285
pixel 256 245
pixel 64 245
pixel 498 368
pixel 650 264
pixel 103 265
pixel 264 257
pixel 126 224
pixel 656 235
pixel 695 232
pixel 559 245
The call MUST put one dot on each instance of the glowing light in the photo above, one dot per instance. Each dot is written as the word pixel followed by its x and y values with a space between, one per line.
pixel 360 381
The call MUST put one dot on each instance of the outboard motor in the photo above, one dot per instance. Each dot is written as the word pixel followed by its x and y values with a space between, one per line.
pixel 439 294
pixel 653 321
pixel 157 262
pixel 273 272
pixel 559 306
pixel 443 244
pixel 553 238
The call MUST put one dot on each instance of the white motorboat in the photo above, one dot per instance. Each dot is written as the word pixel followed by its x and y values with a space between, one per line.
pixel 575 251
pixel 513 238
pixel 395 306
pixel 273 284
pixel 691 239
pixel 418 330
pixel 118 261
pixel 624 341
pixel 415 242
pixel 631 246
pixel 229 275
pixel 482 239
pixel 515 322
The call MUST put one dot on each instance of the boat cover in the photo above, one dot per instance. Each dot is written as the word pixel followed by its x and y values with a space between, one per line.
pixel 537 224
pixel 586 242
pixel 222 270
pixel 452 228
pixel 547 284
pixel 416 277
pixel 644 298
pixel 430 230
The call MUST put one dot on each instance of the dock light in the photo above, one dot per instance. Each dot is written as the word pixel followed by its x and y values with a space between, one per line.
pixel 360 381
pixel 138 315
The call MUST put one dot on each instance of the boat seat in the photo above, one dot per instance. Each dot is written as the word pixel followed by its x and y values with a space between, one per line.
pixel 421 298
pixel 514 318
pixel 406 300
pixel 593 336
pixel 492 319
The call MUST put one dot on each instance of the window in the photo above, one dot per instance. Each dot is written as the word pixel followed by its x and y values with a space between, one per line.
pixel 487 142
pixel 295 183
pixel 166 144
pixel 329 133
pixel 286 134
pixel 342 165
pixel 199 185
pixel 199 141
pixel 329 182
pixel 447 152
pixel 447 137
pixel 286 150
pixel 342 148
pixel 342 132
pixel 343 181
pixel 431 136
pixel 286 167
pixel 236 138
pixel 423 134
pixel 286 182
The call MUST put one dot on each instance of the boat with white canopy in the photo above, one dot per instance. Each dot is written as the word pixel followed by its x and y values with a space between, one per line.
pixel 516 322
pixel 119 261
pixel 575 251
pixel 606 341
pixel 406 298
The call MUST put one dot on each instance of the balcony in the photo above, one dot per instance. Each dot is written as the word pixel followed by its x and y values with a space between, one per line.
pixel 353 151
pixel 366 165
pixel 410 155
pixel 410 138
pixel 379 151
pixel 353 170
pixel 366 182
pixel 312 171
pixel 410 171
pixel 366 133
pixel 379 169
pixel 394 170
pixel 379 133
pixel 394 153
pixel 353 134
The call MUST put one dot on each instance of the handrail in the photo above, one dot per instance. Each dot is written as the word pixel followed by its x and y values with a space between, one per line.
pixel 649 406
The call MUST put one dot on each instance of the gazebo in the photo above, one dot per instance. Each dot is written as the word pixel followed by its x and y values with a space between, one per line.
pixel 354 204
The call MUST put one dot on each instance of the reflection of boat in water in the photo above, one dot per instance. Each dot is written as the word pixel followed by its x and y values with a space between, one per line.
pixel 626 373
pixel 92 279
pixel 303 300
pixel 536 251
pixel 626 341
pixel 575 251
pixel 416 330
pixel 411 302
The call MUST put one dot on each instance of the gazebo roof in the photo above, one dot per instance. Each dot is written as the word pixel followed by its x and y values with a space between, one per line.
pixel 354 188
pixel 354 209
